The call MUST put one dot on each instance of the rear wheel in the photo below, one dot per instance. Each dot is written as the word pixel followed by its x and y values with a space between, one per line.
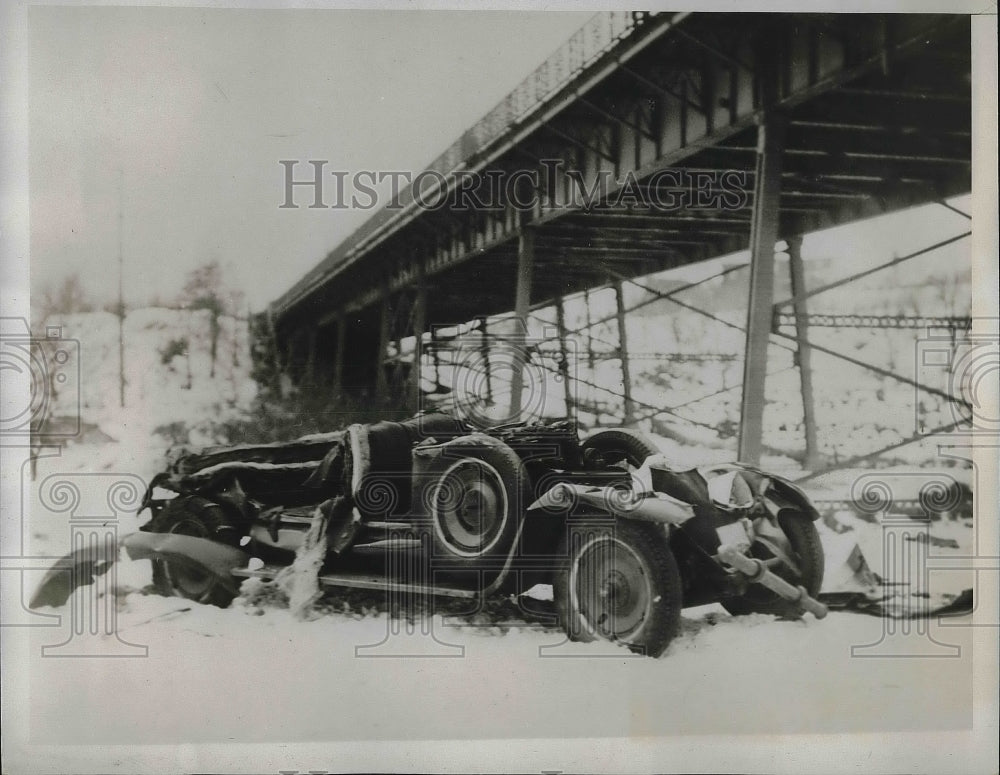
pixel 807 553
pixel 620 446
pixel 621 584
pixel 198 517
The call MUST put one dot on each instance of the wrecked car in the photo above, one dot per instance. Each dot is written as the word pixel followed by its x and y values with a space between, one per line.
pixel 431 506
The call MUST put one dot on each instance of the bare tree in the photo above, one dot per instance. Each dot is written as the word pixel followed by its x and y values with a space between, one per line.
pixel 206 288
pixel 203 290
pixel 66 297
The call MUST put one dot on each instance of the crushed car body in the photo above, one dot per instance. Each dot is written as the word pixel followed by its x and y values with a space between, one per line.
pixel 625 537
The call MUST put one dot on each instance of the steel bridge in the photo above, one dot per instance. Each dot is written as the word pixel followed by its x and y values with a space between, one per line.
pixel 652 141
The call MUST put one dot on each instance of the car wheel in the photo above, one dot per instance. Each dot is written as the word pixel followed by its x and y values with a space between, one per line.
pixel 807 552
pixel 620 584
pixel 620 446
pixel 475 504
pixel 198 517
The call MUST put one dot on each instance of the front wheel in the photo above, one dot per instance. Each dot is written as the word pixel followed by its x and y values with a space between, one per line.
pixel 198 517
pixel 807 553
pixel 620 584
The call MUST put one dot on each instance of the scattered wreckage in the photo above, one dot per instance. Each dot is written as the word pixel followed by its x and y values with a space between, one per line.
pixel 431 506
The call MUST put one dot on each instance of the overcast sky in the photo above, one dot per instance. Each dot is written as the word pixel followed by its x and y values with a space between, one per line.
pixel 197 106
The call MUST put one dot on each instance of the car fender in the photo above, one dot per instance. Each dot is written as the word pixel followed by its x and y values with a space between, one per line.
pixel 428 458
pixel 782 492
pixel 565 497
pixel 447 448
pixel 219 559
pixel 82 567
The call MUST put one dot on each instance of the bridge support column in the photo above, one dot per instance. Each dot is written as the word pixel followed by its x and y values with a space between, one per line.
pixel 310 375
pixel 564 371
pixel 522 306
pixel 298 358
pixel 338 356
pixel 381 378
pixel 419 324
pixel 484 356
pixel 763 236
pixel 590 334
pixel 803 354
pixel 629 412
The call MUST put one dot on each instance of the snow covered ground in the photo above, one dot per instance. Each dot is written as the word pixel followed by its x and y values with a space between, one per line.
pixel 228 675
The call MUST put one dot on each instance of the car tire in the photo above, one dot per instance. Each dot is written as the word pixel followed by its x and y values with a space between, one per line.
pixel 620 445
pixel 199 517
pixel 475 502
pixel 807 550
pixel 621 584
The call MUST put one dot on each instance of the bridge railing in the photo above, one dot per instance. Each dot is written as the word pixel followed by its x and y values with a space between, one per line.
pixel 601 33
pixel 594 39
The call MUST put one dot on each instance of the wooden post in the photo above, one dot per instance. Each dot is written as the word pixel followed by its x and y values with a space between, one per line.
pixel 522 306
pixel 803 354
pixel 763 236
pixel 623 354
pixel 564 358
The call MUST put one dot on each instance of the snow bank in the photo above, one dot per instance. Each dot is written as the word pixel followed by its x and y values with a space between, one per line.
pixel 170 375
